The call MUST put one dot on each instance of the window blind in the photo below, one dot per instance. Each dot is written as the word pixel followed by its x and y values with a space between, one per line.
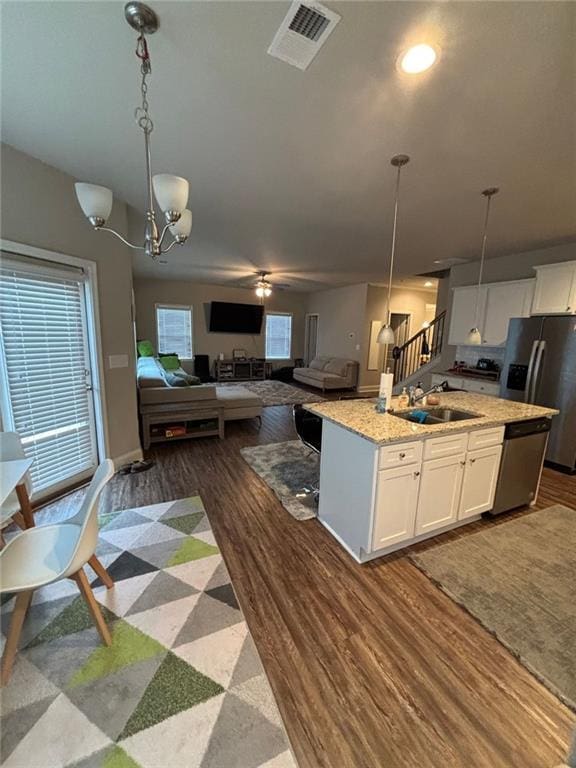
pixel 174 330
pixel 45 362
pixel 278 336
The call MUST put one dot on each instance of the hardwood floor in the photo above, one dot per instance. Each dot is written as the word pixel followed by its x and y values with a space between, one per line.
pixel 372 666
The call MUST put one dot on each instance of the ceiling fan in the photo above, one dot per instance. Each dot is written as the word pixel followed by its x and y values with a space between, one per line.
pixel 264 287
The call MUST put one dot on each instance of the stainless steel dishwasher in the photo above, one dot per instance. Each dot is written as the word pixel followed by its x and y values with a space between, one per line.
pixel 522 456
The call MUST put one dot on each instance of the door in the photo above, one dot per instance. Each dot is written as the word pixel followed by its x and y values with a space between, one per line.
pixel 555 386
pixel 520 356
pixel 400 324
pixel 395 507
pixel 505 300
pixel 46 387
pixel 463 315
pixel 479 484
pixel 310 338
pixel 554 290
pixel 439 495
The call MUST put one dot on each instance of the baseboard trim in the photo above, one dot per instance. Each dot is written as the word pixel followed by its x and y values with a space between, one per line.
pixel 127 458
pixel 363 390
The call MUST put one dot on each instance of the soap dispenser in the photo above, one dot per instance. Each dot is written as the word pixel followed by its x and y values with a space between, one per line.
pixel 403 399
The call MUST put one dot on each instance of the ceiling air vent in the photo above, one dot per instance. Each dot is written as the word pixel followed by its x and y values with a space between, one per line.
pixel 303 32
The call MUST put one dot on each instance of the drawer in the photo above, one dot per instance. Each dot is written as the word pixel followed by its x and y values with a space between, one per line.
pixel 482 387
pixel 484 438
pixel 399 454
pixel 448 445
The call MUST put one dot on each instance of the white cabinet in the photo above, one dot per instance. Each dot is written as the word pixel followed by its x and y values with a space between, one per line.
pixel 503 301
pixel 498 303
pixel 491 388
pixel 480 478
pixel 463 315
pixel 395 507
pixel 555 292
pixel 439 496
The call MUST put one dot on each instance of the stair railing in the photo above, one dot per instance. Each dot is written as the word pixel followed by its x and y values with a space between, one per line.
pixel 419 349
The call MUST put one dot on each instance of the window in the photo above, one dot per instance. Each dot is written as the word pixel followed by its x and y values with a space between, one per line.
pixel 174 330
pixel 278 336
pixel 45 371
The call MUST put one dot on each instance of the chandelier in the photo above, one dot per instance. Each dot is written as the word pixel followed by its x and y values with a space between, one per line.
pixel 171 192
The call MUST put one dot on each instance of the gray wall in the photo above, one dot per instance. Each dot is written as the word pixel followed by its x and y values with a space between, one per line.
pixel 340 320
pixel 39 208
pixel 148 293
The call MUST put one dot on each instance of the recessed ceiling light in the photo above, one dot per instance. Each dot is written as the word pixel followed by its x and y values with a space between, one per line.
pixel 417 59
pixel 428 284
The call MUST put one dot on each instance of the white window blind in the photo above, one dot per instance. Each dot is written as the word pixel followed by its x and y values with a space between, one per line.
pixel 45 367
pixel 174 330
pixel 278 336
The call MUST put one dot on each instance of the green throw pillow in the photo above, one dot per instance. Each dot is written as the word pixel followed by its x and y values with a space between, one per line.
pixel 145 348
pixel 169 362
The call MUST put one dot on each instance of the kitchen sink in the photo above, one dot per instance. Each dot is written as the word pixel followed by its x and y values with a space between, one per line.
pixel 436 415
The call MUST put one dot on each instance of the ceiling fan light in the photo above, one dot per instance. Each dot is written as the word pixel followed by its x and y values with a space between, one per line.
pixel 386 335
pixel 171 192
pixel 95 201
pixel 267 292
pixel 474 337
pixel 260 292
pixel 182 228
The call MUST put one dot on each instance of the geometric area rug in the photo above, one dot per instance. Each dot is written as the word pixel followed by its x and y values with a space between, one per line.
pixel 181 686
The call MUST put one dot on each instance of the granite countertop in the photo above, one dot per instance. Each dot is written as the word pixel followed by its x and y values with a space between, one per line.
pixel 359 416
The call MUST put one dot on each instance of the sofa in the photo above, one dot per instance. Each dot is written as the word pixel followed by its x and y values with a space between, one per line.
pixel 158 399
pixel 329 373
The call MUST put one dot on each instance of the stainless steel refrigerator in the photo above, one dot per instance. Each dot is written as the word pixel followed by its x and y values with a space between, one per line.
pixel 540 367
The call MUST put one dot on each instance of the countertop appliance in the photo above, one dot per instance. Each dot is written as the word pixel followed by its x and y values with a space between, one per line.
pixel 540 368
pixel 486 364
pixel 521 463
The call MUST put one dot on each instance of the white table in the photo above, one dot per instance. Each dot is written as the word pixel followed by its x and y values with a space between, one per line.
pixel 12 475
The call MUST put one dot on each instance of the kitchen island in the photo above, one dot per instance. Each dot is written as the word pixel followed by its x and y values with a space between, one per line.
pixel 386 482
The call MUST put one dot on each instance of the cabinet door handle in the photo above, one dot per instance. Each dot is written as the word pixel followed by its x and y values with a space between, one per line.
pixel 402 455
pixel 416 474
pixel 462 463
pixel 472 461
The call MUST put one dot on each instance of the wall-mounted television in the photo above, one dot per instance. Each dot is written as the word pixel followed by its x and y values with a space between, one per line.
pixel 226 317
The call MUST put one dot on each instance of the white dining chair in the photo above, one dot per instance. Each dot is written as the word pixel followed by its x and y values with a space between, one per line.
pixel 47 553
pixel 11 450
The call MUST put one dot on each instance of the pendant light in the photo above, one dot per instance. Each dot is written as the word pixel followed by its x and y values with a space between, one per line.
pixel 386 335
pixel 474 336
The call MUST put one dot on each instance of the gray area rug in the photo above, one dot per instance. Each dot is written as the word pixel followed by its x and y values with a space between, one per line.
pixel 287 468
pixel 519 580
pixel 276 392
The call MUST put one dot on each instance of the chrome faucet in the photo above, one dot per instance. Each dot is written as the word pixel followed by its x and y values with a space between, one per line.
pixel 413 398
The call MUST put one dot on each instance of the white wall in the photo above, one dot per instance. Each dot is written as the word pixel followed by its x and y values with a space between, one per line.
pixel 148 293
pixel 39 208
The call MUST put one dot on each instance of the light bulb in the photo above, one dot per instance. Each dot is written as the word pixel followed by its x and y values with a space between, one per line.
pixel 267 292
pixel 417 59
pixel 260 291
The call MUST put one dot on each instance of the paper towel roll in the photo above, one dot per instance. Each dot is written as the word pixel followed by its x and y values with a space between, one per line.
pixel 386 383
